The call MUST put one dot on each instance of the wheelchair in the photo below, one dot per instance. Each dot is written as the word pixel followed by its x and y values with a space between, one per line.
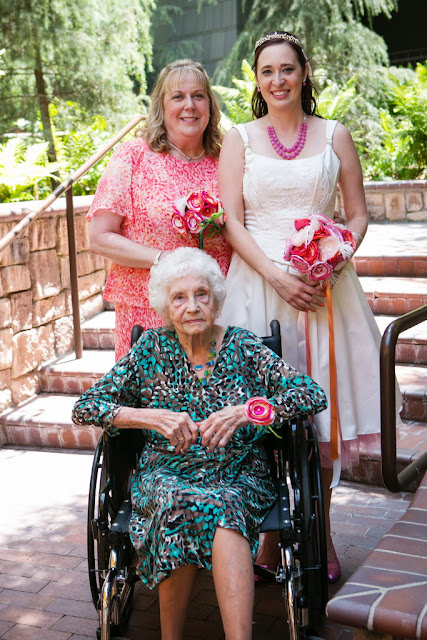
pixel 297 516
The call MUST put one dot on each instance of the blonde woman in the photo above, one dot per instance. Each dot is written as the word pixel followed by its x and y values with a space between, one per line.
pixel 130 218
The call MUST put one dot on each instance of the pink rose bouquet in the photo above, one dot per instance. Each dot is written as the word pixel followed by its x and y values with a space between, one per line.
pixel 196 212
pixel 318 246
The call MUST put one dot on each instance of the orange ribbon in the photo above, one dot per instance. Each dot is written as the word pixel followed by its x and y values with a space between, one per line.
pixel 332 372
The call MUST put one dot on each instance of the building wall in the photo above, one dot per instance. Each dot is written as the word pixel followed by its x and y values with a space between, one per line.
pixel 207 34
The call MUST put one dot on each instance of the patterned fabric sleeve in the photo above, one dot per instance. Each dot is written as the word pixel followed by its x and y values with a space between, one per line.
pixel 126 385
pixel 291 392
pixel 114 187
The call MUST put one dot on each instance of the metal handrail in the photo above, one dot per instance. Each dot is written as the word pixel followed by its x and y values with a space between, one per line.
pixel 393 481
pixel 67 188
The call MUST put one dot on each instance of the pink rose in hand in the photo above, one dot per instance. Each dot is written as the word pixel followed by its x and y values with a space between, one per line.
pixel 329 247
pixel 299 264
pixel 309 253
pixel 320 271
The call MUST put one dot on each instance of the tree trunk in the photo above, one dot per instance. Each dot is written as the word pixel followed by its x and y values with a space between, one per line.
pixel 44 104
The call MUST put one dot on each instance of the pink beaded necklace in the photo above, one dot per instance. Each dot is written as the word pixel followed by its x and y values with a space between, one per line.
pixel 292 152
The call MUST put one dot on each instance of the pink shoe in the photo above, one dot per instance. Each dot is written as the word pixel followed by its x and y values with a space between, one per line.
pixel 334 570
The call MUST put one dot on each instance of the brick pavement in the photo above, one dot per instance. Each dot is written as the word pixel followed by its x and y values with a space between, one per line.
pixel 44 593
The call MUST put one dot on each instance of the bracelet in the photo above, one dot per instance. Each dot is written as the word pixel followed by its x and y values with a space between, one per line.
pixel 259 411
pixel 157 258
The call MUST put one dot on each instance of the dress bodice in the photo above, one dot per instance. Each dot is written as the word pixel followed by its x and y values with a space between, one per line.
pixel 276 192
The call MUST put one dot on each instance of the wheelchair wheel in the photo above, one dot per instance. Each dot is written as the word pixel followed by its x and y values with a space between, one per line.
pixel 305 562
pixel 110 554
pixel 97 532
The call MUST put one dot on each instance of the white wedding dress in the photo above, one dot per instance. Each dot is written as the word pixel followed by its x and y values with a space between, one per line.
pixel 277 192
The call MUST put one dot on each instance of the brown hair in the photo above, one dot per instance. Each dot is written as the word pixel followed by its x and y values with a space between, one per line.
pixel 308 92
pixel 154 129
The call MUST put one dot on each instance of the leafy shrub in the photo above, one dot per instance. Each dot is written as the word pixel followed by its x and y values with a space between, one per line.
pixel 402 154
pixel 24 170
pixel 76 147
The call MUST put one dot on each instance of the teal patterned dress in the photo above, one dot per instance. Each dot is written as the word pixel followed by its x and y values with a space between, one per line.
pixel 179 499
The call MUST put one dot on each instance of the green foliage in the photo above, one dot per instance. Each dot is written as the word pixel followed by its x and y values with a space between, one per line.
pixel 345 104
pixel 402 154
pixel 237 100
pixel 24 166
pixel 24 170
pixel 94 52
pixel 77 146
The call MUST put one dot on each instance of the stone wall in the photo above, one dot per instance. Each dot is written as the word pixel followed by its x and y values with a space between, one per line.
pixel 397 201
pixel 36 322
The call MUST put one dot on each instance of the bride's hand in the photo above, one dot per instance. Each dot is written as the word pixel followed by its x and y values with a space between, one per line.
pixel 303 296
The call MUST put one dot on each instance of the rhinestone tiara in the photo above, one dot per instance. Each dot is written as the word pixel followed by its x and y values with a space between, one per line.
pixel 274 36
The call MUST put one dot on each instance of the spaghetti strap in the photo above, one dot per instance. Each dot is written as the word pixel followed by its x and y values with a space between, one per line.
pixel 242 130
pixel 330 128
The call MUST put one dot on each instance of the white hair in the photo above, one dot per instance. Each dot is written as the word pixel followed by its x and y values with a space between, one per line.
pixel 182 262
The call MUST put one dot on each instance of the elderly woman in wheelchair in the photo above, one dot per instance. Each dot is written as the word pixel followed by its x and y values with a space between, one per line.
pixel 204 396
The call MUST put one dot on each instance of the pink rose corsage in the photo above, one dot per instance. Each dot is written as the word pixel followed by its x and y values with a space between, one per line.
pixel 199 212
pixel 259 411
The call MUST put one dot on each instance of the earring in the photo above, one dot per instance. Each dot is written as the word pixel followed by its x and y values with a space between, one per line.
pixel 304 83
pixel 258 89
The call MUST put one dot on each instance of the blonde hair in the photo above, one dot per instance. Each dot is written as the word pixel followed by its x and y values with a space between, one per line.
pixel 154 130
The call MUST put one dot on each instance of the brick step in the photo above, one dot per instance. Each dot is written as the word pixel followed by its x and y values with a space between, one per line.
pixel 391 266
pixel 45 421
pixel 411 442
pixel 413 385
pixel 68 375
pixel 411 346
pixel 98 332
pixel 394 296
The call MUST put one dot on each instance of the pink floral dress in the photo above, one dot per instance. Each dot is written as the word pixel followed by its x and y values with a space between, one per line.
pixel 142 186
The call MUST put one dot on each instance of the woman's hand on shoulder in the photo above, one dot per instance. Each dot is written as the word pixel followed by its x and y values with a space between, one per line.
pixel 217 430
pixel 303 296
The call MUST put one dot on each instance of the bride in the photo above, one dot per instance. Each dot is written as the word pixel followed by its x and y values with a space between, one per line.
pixel 286 165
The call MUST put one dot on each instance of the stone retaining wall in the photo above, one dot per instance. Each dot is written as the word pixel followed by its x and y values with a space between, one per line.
pixel 35 300
pixel 397 201
pixel 36 322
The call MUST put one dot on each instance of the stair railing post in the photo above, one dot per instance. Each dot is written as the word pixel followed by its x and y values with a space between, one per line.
pixel 72 256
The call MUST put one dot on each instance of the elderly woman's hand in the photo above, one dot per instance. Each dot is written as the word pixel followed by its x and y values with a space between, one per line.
pixel 217 430
pixel 178 428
